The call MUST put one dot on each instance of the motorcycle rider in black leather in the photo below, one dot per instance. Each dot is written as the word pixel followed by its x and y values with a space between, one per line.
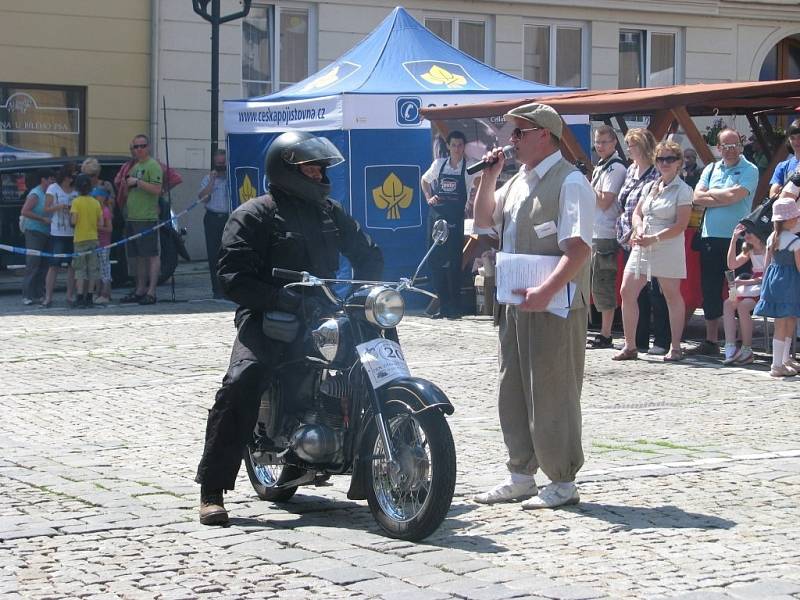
pixel 295 226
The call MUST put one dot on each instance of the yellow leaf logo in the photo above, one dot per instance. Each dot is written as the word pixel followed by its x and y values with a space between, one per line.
pixel 247 191
pixel 441 76
pixel 391 196
pixel 323 81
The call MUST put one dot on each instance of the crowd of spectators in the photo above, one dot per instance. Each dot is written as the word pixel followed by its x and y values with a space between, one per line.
pixel 683 237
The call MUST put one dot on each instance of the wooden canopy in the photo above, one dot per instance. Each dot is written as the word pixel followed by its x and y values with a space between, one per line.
pixel 667 107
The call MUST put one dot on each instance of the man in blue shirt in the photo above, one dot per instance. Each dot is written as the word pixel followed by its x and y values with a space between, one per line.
pixel 785 169
pixel 725 190
pixel 214 193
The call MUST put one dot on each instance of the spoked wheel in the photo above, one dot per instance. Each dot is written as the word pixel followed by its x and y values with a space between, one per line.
pixel 410 500
pixel 263 478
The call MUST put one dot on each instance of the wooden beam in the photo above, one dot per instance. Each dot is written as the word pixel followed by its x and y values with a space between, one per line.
pixel 694 135
pixel 571 148
pixel 762 191
pixel 623 126
pixel 759 133
pixel 660 123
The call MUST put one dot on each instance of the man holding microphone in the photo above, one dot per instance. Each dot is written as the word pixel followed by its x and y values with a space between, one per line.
pixel 547 208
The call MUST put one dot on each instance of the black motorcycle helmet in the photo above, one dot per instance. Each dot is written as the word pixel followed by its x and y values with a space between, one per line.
pixel 290 150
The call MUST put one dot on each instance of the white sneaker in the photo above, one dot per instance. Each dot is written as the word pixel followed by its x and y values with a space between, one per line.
pixel 27 301
pixel 657 351
pixel 507 491
pixel 555 494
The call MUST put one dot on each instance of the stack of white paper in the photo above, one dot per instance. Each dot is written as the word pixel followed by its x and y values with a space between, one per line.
pixel 521 271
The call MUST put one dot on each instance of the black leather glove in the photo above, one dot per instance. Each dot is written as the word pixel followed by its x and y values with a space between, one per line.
pixel 288 301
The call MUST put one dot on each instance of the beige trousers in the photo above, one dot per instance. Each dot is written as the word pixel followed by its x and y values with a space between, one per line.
pixel 541 375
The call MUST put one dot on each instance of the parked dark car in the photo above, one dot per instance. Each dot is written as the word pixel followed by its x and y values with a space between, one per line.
pixel 17 177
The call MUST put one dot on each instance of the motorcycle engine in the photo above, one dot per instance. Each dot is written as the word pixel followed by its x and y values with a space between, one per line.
pixel 319 439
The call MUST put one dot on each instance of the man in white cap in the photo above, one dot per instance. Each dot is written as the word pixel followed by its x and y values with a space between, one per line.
pixel 545 209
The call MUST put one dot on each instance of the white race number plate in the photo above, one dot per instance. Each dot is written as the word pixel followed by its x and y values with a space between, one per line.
pixel 383 361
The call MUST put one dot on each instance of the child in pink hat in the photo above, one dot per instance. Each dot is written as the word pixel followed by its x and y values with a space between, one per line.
pixel 780 289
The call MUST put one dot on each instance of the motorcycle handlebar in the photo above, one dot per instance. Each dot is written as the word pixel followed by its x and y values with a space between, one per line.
pixel 287 274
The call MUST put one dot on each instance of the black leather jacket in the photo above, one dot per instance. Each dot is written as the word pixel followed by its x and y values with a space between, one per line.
pixel 279 231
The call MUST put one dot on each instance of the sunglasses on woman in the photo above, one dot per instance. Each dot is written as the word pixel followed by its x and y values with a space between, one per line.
pixel 667 159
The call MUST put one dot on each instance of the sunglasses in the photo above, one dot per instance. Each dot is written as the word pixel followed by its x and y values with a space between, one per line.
pixel 724 147
pixel 139 146
pixel 667 159
pixel 518 133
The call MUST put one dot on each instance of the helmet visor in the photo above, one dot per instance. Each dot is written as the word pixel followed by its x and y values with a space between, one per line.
pixel 313 150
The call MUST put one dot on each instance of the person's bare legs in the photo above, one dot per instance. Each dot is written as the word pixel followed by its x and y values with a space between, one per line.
pixel 745 307
pixel 141 275
pixel 49 284
pixel 671 288
pixel 631 286
pixel 607 320
pixel 729 309
pixel 70 284
pixel 154 263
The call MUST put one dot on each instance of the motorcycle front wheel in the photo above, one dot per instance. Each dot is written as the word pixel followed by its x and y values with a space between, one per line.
pixel 264 477
pixel 411 500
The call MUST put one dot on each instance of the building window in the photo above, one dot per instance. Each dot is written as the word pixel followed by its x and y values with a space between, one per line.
pixel 468 36
pixel 276 49
pixel 553 54
pixel 648 58
pixel 41 120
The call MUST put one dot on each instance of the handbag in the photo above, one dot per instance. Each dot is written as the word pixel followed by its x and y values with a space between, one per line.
pixel 697 239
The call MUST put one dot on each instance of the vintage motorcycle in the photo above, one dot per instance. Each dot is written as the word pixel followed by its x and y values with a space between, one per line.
pixel 364 415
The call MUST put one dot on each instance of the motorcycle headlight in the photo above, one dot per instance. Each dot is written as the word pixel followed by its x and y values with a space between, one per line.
pixel 384 307
pixel 326 339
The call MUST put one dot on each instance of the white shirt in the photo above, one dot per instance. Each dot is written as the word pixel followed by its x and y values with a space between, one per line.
pixel 610 180
pixel 60 223
pixel 576 204
pixel 432 174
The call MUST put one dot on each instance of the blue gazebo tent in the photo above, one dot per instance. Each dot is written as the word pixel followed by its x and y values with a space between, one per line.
pixel 367 103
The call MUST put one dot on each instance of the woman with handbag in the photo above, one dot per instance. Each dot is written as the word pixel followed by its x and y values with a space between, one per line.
pixel 658 223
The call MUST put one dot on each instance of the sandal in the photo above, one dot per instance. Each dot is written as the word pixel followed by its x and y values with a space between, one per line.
pixel 599 342
pixel 132 298
pixel 147 299
pixel 674 356
pixel 626 354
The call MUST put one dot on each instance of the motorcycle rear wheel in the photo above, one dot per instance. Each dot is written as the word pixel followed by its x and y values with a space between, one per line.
pixel 413 503
pixel 263 478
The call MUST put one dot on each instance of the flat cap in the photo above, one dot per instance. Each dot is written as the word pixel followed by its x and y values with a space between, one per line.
pixel 540 114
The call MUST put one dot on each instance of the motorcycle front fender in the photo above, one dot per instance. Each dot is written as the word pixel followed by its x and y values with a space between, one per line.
pixel 417 394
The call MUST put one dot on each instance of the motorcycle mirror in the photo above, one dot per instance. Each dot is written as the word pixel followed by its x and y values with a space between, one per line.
pixel 440 232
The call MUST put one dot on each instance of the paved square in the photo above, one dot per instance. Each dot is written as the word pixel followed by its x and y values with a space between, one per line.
pixel 690 490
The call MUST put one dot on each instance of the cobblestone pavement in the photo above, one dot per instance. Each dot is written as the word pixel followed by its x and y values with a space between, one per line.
pixel 690 488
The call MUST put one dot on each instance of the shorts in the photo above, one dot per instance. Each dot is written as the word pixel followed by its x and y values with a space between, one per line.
pixel 60 244
pixel 604 274
pixel 105 264
pixel 144 246
pixel 86 266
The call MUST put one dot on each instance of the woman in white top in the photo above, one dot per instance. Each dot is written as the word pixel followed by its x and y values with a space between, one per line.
pixel 58 200
pixel 657 249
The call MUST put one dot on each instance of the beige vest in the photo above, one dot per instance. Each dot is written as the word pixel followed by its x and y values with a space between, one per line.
pixel 540 207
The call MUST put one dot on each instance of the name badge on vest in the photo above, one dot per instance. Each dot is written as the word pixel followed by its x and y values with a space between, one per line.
pixel 545 229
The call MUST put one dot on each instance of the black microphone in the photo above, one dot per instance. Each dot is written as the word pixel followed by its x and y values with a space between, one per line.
pixel 508 152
